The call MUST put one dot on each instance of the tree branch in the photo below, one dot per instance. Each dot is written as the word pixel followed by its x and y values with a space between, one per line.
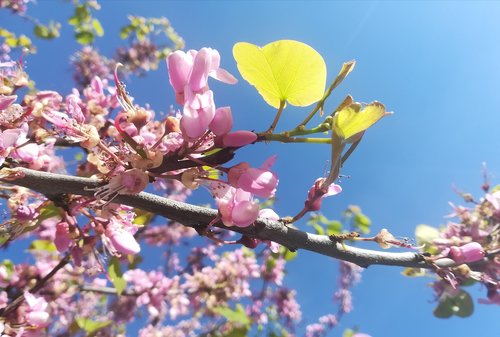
pixel 53 185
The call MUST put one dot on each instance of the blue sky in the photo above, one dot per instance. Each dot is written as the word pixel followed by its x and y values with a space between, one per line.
pixel 435 64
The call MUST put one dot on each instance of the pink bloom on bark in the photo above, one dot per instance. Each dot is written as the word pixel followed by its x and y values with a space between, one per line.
pixel 238 138
pixel 132 181
pixel 317 193
pixel 470 252
pixel 236 206
pixel 36 313
pixel 261 181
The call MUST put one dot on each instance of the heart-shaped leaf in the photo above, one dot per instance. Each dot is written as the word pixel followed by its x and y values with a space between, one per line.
pixel 283 71
pixel 460 305
pixel 353 119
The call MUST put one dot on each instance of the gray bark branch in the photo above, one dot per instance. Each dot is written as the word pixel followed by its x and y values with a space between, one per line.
pixel 53 185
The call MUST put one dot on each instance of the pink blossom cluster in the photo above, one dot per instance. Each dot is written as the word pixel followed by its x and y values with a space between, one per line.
pixel 466 242
pixel 16 6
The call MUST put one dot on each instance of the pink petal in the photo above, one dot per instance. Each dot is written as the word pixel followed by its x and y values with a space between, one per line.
pixel 6 101
pixel 222 122
pixel 224 76
pixel 239 138
pixel 179 66
pixel 123 241
pixel 201 67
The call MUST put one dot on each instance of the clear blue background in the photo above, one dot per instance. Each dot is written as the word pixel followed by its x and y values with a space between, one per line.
pixel 435 64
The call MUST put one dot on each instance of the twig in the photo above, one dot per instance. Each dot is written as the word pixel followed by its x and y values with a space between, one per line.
pixel 52 184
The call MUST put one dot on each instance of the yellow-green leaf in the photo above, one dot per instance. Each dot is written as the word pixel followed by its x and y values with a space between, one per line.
pixel 283 71
pixel 116 275
pixel 425 235
pixel 353 119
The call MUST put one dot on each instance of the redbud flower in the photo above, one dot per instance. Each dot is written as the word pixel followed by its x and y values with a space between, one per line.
pixel 36 313
pixel 62 239
pixel 8 139
pixel 316 194
pixel 122 240
pixel 222 122
pixel 236 206
pixel 238 138
pixel 132 181
pixel 470 252
pixel 192 70
pixel 6 101
pixel 261 182
pixel 198 112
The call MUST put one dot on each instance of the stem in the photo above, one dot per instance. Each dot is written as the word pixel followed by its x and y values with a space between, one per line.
pixel 344 71
pixel 286 139
pixel 38 285
pixel 277 118
pixel 199 218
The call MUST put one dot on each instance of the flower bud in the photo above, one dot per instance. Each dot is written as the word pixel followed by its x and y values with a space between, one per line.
pixel 239 138
pixel 470 252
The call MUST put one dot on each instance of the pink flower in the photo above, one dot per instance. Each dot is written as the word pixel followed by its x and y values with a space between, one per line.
pixel 261 182
pixel 316 194
pixel 222 122
pixel 236 206
pixel 198 113
pixel 36 313
pixel 191 71
pixel 238 138
pixel 123 241
pixel 8 139
pixel 62 239
pixel 188 74
pixel 132 181
pixel 6 101
pixel 470 252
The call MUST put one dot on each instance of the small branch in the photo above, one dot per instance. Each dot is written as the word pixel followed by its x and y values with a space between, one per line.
pixel 38 285
pixel 106 290
pixel 52 184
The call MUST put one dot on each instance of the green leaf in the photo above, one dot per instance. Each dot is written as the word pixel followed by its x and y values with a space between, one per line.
pixel 237 332
pixel 49 211
pixel 348 333
pixel 237 315
pixel 425 235
pixel 287 254
pixel 362 223
pixel 44 245
pixel 413 272
pixel 116 275
pixel 352 119
pixel 283 71
pixel 9 266
pixel 333 227
pixel 90 326
pixel 41 31
pixel 97 27
pixel 319 229
pixel 460 305
pixel 142 217
pixel 24 41
pixel 84 37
